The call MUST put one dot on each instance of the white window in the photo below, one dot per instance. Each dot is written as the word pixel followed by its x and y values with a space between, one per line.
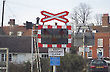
pixel 94 31
pixel 19 33
pixel 100 52
pixel 3 57
pixel 10 33
pixel 100 43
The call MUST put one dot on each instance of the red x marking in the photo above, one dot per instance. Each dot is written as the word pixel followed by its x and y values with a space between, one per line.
pixel 51 16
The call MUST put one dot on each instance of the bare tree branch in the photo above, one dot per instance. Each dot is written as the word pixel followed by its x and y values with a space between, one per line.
pixel 98 19
pixel 81 14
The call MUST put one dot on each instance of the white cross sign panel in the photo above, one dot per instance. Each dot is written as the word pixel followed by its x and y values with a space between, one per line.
pixel 50 16
pixel 56 51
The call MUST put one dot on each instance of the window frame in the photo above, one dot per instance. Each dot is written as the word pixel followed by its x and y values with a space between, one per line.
pixel 11 33
pixel 19 33
pixel 3 57
pixel 100 42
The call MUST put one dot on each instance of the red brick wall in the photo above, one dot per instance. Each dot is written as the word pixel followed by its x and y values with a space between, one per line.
pixel 105 20
pixel 105 37
pixel 94 52
pixel 106 46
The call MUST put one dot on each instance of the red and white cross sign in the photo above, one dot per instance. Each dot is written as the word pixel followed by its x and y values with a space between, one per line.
pixel 51 16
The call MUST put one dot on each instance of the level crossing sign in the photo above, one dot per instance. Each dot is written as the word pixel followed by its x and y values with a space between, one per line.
pixel 54 36
pixel 50 16
pixel 56 51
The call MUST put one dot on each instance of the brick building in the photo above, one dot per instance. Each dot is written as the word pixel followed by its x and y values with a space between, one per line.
pixel 102 39
pixel 16 30
pixel 18 39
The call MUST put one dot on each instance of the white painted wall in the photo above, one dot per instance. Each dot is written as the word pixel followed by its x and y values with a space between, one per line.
pixel 21 57
pixel 18 58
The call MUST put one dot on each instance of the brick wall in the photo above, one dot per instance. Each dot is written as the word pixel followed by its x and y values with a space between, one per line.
pixel 105 37
pixel 105 20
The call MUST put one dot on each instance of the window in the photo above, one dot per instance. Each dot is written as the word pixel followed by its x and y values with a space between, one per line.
pixel 19 33
pixel 3 57
pixel 100 42
pixel 10 33
pixel 44 55
pixel 100 52
pixel 90 53
pixel 10 57
pixel 94 31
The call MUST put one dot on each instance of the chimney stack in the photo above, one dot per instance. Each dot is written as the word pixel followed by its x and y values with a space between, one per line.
pixel 12 22
pixel 29 25
pixel 105 20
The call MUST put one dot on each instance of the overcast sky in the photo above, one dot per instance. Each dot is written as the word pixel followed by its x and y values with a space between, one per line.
pixel 28 10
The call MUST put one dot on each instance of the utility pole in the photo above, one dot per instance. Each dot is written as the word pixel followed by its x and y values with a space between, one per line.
pixel 84 53
pixel 3 13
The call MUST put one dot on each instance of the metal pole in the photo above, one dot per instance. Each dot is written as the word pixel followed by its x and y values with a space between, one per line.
pixel 32 51
pixel 84 55
pixel 3 13
pixel 54 68
pixel 38 54
pixel 83 45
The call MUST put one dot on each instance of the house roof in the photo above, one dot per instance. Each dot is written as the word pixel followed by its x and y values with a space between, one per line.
pixel 2 32
pixel 15 29
pixel 101 28
pixel 78 39
pixel 18 44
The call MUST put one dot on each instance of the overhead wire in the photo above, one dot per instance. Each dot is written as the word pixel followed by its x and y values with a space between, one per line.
pixel 12 12
pixel 9 5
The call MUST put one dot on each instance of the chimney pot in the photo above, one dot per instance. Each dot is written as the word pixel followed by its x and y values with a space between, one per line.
pixel 12 22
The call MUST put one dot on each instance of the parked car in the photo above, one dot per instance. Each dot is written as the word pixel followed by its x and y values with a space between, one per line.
pixel 107 59
pixel 98 65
